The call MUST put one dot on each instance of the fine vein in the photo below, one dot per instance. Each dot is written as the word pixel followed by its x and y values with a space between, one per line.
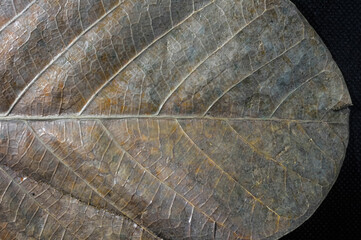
pixel 90 186
pixel 204 60
pixel 226 173
pixel 250 74
pixel 37 203
pixel 151 174
pixel 16 16
pixel 293 91
pixel 56 58
pixel 266 156
pixel 135 57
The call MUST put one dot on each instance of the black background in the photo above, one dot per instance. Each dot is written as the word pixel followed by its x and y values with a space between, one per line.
pixel 338 22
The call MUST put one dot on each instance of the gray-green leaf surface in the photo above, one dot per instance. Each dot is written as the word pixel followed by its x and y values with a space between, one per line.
pixel 172 119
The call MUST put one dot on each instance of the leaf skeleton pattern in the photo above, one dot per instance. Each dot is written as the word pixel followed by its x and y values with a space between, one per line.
pixel 171 119
pixel 57 215
pixel 105 45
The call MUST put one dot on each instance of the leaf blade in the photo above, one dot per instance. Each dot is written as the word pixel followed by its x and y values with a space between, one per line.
pixel 184 119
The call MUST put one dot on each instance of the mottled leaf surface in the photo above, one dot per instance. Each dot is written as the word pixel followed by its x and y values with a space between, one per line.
pixel 173 119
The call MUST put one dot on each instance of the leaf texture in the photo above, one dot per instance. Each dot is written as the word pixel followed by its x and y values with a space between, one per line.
pixel 172 119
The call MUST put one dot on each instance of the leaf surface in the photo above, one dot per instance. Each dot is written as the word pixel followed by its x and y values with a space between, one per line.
pixel 167 119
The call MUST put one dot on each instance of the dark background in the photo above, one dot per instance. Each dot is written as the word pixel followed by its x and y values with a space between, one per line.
pixel 338 22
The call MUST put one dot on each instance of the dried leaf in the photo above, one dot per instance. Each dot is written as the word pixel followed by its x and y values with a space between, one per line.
pixel 174 119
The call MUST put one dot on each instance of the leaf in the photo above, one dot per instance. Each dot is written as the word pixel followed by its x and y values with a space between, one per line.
pixel 167 119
